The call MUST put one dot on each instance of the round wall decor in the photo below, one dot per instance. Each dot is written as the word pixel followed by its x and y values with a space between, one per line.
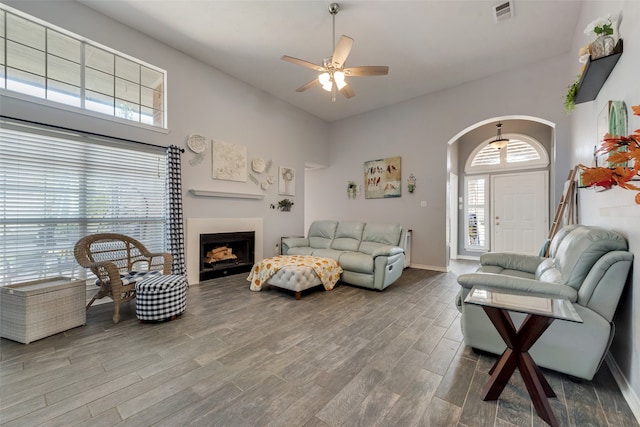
pixel 197 143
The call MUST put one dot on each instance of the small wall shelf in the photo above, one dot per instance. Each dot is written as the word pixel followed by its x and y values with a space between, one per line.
pixel 225 194
pixel 595 74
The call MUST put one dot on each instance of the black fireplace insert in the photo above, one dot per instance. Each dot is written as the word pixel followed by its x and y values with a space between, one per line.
pixel 223 254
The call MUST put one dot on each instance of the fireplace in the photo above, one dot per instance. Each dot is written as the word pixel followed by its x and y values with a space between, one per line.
pixel 223 254
pixel 197 226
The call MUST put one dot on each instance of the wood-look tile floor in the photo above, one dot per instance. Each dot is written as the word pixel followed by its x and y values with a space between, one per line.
pixel 349 357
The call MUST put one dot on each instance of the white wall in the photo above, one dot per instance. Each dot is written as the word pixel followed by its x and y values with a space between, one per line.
pixel 614 209
pixel 418 130
pixel 201 100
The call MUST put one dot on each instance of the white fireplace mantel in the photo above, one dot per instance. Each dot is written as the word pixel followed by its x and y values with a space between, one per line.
pixel 197 226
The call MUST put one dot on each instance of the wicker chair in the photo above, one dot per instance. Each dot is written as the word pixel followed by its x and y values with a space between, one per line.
pixel 118 262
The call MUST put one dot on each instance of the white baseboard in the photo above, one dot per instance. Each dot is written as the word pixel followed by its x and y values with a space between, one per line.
pixel 627 392
pixel 431 267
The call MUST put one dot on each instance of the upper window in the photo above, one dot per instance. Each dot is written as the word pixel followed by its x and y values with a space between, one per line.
pixel 522 152
pixel 46 62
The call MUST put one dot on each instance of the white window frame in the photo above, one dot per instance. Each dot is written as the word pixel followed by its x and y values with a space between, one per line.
pixel 84 42
pixel 542 162
pixel 487 244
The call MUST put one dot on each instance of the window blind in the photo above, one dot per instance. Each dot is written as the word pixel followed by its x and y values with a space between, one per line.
pixel 476 194
pixel 56 186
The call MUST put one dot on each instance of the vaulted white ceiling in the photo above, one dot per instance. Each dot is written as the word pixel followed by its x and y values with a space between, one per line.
pixel 428 45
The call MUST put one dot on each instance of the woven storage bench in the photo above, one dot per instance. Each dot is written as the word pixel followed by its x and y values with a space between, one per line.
pixel 161 297
pixel 33 310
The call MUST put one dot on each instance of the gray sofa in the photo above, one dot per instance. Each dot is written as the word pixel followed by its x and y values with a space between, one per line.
pixel 370 255
pixel 587 265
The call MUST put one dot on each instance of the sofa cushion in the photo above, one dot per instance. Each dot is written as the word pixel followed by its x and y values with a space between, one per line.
pixel 328 253
pixel 321 233
pixel 347 237
pixel 378 249
pixel 386 234
pixel 356 262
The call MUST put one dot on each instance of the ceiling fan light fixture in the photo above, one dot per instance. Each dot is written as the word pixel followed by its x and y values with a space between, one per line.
pixel 338 78
pixel 500 142
pixel 333 73
pixel 325 81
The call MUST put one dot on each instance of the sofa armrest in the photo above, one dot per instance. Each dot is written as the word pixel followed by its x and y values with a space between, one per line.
pixel 293 242
pixel 509 283
pixel 387 251
pixel 511 261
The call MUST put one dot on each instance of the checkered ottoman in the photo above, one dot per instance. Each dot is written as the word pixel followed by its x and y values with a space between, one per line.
pixel 161 297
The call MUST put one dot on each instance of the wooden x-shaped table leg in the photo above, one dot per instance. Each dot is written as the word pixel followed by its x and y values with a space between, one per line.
pixel 517 355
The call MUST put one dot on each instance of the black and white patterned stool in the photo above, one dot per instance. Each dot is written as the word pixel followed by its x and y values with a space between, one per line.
pixel 161 297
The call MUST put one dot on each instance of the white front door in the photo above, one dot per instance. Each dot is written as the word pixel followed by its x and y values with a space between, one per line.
pixel 519 207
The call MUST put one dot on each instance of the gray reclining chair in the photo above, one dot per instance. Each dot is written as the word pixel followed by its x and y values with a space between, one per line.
pixel 587 265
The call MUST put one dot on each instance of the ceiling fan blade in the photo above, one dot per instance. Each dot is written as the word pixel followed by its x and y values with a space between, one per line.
pixel 347 91
pixel 367 70
pixel 302 62
pixel 311 84
pixel 343 48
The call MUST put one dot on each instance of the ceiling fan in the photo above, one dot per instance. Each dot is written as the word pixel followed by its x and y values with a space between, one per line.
pixel 332 71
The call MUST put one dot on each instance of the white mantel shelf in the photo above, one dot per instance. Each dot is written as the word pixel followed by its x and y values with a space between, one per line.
pixel 225 194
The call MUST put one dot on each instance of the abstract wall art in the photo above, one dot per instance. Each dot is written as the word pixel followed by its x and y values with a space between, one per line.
pixel 229 161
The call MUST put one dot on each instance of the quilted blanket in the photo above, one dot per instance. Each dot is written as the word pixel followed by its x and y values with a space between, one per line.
pixel 327 269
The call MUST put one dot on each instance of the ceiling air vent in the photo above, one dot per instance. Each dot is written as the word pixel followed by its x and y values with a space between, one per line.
pixel 503 11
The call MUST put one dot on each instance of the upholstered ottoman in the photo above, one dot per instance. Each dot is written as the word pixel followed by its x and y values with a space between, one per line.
pixel 161 297
pixel 295 273
pixel 295 278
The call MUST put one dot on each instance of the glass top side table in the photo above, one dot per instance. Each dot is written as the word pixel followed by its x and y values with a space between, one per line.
pixel 541 312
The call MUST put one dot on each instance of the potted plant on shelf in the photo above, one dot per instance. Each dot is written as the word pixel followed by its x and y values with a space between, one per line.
pixel 285 205
pixel 624 161
pixel 604 44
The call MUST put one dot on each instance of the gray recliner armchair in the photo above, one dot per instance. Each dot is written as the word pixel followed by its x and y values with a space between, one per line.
pixel 587 265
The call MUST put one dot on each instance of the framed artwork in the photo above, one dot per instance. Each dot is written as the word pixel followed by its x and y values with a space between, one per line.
pixel 286 181
pixel 382 178
pixel 229 161
pixel 613 120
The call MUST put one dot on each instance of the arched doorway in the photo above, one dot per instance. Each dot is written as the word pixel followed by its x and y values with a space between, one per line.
pixel 513 172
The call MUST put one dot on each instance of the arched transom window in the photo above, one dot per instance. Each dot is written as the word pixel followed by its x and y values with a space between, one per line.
pixel 522 152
